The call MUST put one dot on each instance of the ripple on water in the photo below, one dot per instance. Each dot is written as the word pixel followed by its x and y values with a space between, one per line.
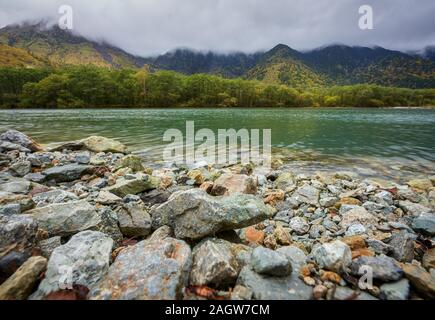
pixel 384 140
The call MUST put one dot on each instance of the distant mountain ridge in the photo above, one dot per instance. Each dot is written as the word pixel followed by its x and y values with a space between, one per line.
pixel 56 47
pixel 35 45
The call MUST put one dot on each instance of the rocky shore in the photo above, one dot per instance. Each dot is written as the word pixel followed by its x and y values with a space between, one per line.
pixel 88 220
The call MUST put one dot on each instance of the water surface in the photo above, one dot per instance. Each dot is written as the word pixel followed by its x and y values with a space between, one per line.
pixel 377 142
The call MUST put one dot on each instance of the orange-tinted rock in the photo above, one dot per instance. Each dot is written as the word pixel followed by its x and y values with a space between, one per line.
pixel 282 236
pixel 355 242
pixel 273 196
pixel 254 236
pixel 270 242
pixel 305 270
pixel 362 252
pixel 228 184
pixel 331 277
pixel 207 186
pixel 347 200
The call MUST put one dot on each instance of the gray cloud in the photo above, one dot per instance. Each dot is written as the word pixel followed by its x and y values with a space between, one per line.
pixel 146 27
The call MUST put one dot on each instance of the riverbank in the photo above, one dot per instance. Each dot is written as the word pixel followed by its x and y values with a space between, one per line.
pixel 80 219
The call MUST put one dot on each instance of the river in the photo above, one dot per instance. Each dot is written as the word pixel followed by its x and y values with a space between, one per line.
pixel 393 143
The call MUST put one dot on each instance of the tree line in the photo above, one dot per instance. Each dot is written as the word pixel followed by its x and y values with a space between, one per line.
pixel 88 86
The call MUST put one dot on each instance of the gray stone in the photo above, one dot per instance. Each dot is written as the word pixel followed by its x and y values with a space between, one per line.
pixel 54 196
pixel 335 256
pixel 65 219
pixel 131 161
pixel 345 293
pixel 15 185
pixel 347 207
pixel 269 262
pixel 213 264
pixel 425 223
pixel 21 168
pixel 383 197
pixel 102 144
pixel 107 198
pixel 317 231
pixel 330 225
pixel 37 160
pixel 355 229
pixel 328 201
pixel 357 215
pixel 395 291
pixel 378 246
pixel 83 158
pixel 161 233
pixel 295 255
pixel 299 225
pixel 35 177
pixel 134 220
pixel 109 224
pixel 83 260
pixel 19 231
pixel 193 214
pixel 66 173
pixel 241 293
pixel 149 270
pixel 265 287
pixel 402 243
pixel 373 206
pixel 408 194
pixel 284 216
pixel 9 146
pixel 307 194
pixel 131 198
pixel 156 196
pixel 47 246
pixel 384 268
pixel 10 209
pixel 414 209
pixel 284 181
pixel 21 139
pixel 140 183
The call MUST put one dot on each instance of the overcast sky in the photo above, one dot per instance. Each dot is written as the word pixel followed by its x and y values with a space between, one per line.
pixel 147 27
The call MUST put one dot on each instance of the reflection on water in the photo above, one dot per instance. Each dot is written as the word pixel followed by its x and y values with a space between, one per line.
pixel 387 142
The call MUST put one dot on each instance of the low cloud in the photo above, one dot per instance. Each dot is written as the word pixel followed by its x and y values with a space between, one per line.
pixel 148 27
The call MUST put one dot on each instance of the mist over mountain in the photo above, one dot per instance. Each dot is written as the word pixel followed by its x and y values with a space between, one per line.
pixel 36 45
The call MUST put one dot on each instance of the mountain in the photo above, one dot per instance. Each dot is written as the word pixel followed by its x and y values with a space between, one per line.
pixel 56 47
pixel 191 62
pixel 283 65
pixel 37 45
pixel 352 65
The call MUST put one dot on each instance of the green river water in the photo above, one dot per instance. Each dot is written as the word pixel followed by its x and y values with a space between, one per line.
pixel 393 143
